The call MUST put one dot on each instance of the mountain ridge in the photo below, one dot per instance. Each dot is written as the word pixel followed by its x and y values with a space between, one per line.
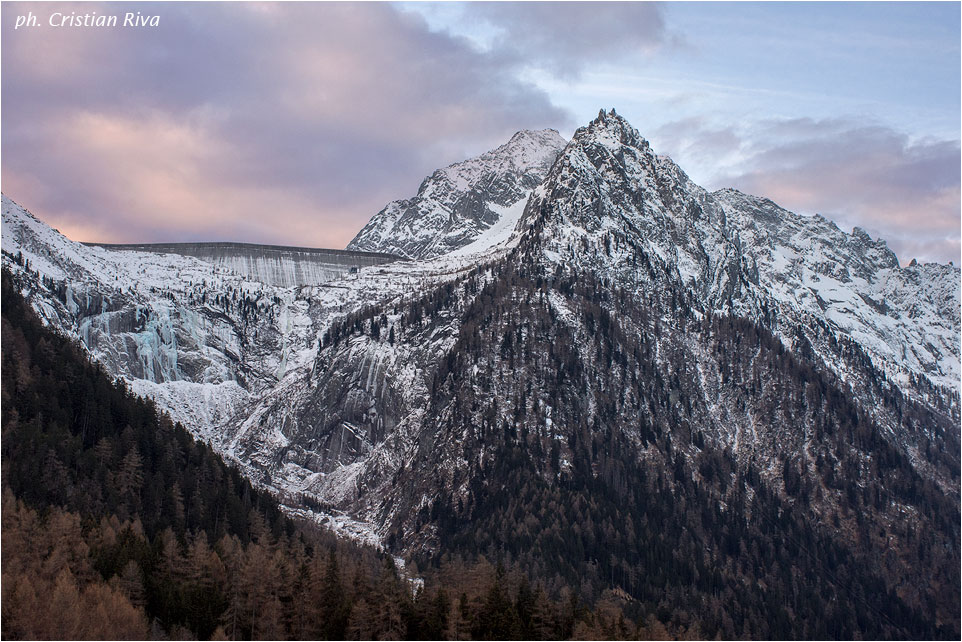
pixel 632 331
pixel 726 241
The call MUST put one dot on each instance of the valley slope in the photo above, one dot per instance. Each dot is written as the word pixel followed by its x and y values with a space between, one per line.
pixel 604 372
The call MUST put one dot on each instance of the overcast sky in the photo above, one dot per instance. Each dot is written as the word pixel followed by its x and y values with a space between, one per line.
pixel 294 123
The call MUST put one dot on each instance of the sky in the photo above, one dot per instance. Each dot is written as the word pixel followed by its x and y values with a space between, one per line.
pixel 294 123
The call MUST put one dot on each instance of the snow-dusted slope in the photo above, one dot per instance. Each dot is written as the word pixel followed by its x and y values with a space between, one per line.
pixel 907 317
pixel 207 343
pixel 610 201
pixel 332 390
pixel 465 203
pixel 371 407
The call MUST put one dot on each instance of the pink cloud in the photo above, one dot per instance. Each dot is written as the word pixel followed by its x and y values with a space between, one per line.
pixel 866 175
pixel 287 123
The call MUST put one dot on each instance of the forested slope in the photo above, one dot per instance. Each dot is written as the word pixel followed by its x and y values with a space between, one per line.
pixel 117 525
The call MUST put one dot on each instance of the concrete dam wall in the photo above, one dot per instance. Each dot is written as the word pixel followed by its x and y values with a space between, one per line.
pixel 272 264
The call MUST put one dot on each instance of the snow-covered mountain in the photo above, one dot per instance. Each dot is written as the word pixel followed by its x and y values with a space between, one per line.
pixel 579 296
pixel 476 202
pixel 219 340
pixel 610 201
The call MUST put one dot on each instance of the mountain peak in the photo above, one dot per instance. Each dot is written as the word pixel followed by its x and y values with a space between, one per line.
pixel 603 115
pixel 612 130
pixel 527 148
pixel 536 136
pixel 457 205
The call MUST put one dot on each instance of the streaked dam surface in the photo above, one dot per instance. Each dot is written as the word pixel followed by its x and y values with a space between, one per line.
pixel 278 265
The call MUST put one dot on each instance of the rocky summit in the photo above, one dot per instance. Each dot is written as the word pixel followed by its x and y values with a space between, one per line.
pixel 591 367
pixel 454 206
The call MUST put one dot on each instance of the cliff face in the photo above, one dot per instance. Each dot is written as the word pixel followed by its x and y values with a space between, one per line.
pixel 269 264
pixel 205 329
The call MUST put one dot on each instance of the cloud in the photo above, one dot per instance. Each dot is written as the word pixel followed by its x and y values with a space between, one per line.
pixel 564 37
pixel 856 173
pixel 699 143
pixel 287 122
pixel 295 122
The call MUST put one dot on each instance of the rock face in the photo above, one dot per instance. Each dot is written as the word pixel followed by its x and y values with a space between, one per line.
pixel 610 201
pixel 457 204
pixel 202 338
pixel 633 340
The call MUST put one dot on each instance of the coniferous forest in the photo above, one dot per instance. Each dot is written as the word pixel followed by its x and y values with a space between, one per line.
pixel 720 547
pixel 118 525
